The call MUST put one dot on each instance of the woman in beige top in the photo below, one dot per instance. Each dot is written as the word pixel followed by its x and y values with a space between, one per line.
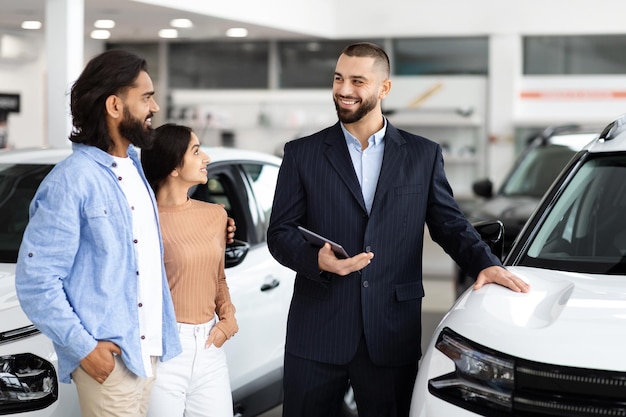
pixel 195 383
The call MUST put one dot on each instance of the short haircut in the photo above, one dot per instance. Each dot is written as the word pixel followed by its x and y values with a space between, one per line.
pixel 167 153
pixel 368 49
pixel 111 72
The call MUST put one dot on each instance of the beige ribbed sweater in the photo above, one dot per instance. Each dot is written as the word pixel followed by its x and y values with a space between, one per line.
pixel 194 239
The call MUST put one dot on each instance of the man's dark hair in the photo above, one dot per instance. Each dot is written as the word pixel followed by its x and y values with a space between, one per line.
pixel 368 49
pixel 168 150
pixel 111 72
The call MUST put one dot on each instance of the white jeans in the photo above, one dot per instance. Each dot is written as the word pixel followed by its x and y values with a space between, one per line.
pixel 194 383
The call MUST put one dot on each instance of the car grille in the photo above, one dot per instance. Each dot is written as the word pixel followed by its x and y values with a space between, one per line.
pixel 550 390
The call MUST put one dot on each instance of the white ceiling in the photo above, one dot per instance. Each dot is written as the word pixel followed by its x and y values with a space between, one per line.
pixel 135 21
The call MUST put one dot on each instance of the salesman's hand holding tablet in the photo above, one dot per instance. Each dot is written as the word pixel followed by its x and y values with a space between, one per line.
pixel 319 241
pixel 332 257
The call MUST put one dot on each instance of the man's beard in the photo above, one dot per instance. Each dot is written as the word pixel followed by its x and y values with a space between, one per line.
pixel 135 130
pixel 350 116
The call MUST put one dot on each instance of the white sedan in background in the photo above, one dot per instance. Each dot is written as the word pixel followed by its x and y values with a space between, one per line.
pixel 558 350
pixel 260 288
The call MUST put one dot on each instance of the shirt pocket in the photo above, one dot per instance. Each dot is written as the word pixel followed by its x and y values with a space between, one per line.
pixel 98 210
pixel 105 222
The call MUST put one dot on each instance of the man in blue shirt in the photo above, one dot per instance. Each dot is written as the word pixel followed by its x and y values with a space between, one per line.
pixel 90 269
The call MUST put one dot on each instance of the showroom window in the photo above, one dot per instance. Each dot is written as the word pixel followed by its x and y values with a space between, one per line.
pixel 310 64
pixel 441 56
pixel 574 55
pixel 218 65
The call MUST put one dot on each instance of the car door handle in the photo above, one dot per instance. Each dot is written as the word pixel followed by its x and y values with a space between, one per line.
pixel 269 284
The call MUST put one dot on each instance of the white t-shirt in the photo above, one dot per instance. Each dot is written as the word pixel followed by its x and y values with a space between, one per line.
pixel 148 253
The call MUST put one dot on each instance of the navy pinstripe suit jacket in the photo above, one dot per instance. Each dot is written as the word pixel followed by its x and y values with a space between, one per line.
pixel 318 188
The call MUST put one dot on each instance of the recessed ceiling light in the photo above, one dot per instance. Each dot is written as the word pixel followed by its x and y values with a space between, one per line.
pixel 237 32
pixel 168 33
pixel 313 46
pixel 104 24
pixel 181 23
pixel 31 24
pixel 100 34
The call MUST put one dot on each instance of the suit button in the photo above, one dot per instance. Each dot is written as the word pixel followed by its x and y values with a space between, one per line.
pixel 368 248
pixel 366 284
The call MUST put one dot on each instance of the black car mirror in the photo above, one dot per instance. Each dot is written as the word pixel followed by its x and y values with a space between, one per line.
pixel 492 233
pixel 236 253
pixel 483 188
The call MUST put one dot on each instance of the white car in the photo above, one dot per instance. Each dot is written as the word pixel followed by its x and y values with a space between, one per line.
pixel 558 350
pixel 260 287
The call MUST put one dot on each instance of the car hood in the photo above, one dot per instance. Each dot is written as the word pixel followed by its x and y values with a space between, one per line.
pixel 11 315
pixel 568 319
pixel 510 210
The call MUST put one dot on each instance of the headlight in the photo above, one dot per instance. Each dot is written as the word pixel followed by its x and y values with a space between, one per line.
pixel 27 382
pixel 491 383
pixel 482 378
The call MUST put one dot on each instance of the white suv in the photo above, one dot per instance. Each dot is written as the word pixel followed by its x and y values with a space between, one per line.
pixel 260 287
pixel 559 349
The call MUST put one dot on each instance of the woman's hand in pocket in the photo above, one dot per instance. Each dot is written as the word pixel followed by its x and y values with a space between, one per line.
pixel 216 338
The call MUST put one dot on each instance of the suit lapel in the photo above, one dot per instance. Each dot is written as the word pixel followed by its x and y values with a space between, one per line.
pixel 339 157
pixel 393 159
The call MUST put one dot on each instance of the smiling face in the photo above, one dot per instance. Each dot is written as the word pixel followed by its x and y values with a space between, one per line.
pixel 192 169
pixel 139 107
pixel 359 85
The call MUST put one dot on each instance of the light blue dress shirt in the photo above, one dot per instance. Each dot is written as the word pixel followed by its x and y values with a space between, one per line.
pixel 76 275
pixel 367 162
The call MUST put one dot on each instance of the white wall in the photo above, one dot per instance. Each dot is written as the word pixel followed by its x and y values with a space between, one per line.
pixel 26 77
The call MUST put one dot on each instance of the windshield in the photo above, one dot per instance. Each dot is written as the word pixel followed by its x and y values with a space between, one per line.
pixel 18 184
pixel 585 230
pixel 537 170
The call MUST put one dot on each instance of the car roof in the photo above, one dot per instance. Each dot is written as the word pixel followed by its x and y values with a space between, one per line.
pixel 576 141
pixel 55 155
pixel 574 136
pixel 612 138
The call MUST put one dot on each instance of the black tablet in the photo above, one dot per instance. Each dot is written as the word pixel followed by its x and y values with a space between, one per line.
pixel 319 241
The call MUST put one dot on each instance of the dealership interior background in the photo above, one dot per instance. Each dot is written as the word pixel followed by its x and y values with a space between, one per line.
pixel 478 77
pixel 475 76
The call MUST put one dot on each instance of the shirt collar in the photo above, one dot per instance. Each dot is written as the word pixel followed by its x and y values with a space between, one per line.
pixel 102 157
pixel 377 138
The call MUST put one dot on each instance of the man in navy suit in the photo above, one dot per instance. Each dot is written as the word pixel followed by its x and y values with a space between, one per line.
pixel 372 188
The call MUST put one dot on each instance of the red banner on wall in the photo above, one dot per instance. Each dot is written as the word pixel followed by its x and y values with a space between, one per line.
pixel 561 95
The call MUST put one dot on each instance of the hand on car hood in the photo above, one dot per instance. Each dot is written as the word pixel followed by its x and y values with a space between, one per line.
pixel 11 315
pixel 565 317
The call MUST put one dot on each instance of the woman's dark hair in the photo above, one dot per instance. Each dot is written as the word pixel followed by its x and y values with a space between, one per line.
pixel 167 153
pixel 370 50
pixel 111 72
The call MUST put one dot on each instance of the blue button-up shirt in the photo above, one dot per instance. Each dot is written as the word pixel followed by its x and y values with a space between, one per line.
pixel 367 162
pixel 76 275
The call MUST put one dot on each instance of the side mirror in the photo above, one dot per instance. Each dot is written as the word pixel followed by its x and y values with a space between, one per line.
pixel 492 233
pixel 235 253
pixel 483 188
